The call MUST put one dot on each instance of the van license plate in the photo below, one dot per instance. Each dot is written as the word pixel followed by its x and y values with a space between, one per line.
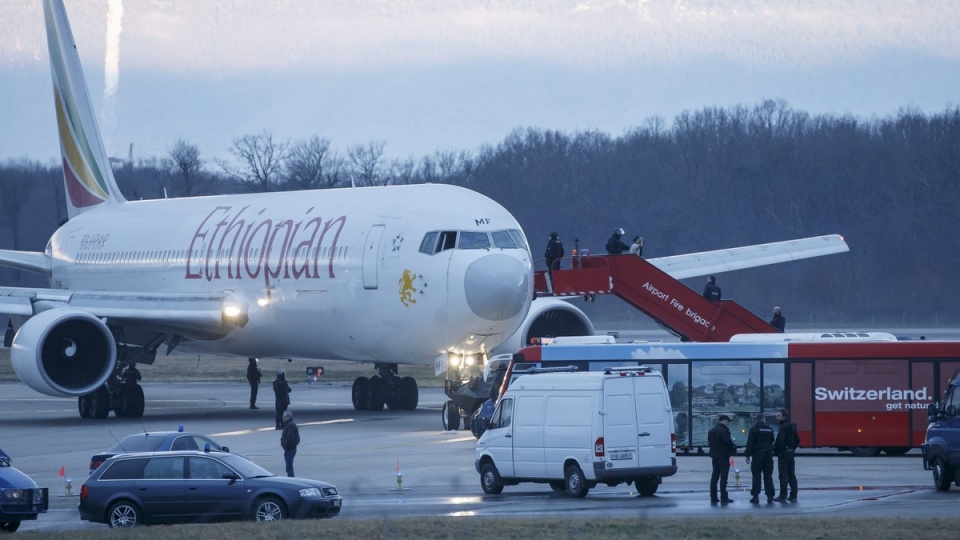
pixel 621 455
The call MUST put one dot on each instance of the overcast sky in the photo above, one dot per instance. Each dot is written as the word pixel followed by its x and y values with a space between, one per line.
pixel 446 74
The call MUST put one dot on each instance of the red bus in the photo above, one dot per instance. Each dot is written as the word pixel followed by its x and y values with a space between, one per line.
pixel 865 397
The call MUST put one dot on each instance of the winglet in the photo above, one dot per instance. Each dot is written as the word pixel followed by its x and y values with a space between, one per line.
pixel 87 175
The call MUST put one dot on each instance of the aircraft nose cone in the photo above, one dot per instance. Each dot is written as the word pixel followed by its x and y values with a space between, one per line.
pixel 497 287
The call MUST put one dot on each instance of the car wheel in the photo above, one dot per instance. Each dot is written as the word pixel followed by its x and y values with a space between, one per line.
pixel 646 485
pixel 490 479
pixel 450 416
pixel 942 475
pixel 9 526
pixel 123 515
pixel 574 481
pixel 558 485
pixel 268 509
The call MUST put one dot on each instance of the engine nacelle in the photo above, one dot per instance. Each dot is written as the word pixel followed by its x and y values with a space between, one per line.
pixel 547 317
pixel 63 352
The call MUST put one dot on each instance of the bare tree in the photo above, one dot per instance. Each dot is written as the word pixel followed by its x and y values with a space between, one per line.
pixel 366 162
pixel 186 169
pixel 307 163
pixel 261 162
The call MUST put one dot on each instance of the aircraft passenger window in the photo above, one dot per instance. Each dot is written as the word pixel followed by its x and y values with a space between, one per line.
pixel 473 240
pixel 429 243
pixel 503 239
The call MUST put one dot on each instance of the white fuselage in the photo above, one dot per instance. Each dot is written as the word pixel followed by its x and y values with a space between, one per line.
pixel 332 274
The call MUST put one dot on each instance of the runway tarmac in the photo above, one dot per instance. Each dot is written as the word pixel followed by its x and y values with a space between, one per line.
pixel 362 453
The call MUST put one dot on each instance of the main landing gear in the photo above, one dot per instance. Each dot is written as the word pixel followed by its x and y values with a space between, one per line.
pixel 121 393
pixel 387 388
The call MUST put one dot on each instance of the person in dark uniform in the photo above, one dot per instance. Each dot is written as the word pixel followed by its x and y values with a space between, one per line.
pixel 778 321
pixel 785 448
pixel 759 449
pixel 281 392
pixel 289 440
pixel 253 377
pixel 615 245
pixel 722 448
pixel 553 254
pixel 711 291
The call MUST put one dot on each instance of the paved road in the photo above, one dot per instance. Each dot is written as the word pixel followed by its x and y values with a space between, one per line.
pixel 360 452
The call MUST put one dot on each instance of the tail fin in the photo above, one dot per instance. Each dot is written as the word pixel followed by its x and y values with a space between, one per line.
pixel 87 175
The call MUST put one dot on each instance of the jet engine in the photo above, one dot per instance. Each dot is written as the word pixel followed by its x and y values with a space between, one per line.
pixel 548 317
pixel 63 352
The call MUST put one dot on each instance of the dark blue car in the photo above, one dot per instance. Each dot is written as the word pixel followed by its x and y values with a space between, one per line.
pixel 187 487
pixel 157 441
pixel 20 498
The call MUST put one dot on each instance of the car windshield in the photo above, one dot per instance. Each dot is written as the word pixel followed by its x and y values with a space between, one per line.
pixel 137 443
pixel 245 467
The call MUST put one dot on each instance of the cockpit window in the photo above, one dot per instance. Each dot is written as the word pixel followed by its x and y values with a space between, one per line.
pixel 473 240
pixel 503 239
pixel 429 244
pixel 436 241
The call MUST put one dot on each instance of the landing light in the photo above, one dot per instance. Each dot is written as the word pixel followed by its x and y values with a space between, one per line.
pixel 234 315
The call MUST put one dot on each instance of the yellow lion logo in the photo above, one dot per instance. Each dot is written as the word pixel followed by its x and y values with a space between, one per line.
pixel 407 289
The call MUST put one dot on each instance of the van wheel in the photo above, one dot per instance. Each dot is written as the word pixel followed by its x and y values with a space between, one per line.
pixel 574 481
pixel 646 486
pixel 451 416
pixel 490 479
pixel 942 475
pixel 9 526
pixel 558 485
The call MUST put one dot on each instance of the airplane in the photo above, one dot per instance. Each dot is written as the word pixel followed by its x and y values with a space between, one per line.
pixel 389 275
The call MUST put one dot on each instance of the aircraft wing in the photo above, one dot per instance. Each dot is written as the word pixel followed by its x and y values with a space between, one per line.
pixel 30 261
pixel 705 263
pixel 201 315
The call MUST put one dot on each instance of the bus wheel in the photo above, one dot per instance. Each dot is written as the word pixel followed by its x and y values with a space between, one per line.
pixel 941 475
pixel 864 451
pixel 895 450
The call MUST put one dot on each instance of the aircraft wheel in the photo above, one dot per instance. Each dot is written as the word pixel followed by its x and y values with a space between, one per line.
pixel 100 402
pixel 83 405
pixel 409 394
pixel 133 401
pixel 378 391
pixel 450 416
pixel 361 393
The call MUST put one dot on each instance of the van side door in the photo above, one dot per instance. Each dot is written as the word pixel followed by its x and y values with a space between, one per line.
pixel 528 456
pixel 620 430
pixel 654 422
pixel 498 439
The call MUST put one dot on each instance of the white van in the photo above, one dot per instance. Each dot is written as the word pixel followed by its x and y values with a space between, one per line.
pixel 575 430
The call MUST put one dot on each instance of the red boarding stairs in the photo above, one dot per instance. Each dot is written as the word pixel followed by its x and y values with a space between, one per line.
pixel 647 288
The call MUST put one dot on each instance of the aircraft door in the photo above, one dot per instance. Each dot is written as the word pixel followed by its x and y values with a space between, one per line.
pixel 371 256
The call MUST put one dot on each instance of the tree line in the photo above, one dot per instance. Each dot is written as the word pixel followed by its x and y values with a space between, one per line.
pixel 713 178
